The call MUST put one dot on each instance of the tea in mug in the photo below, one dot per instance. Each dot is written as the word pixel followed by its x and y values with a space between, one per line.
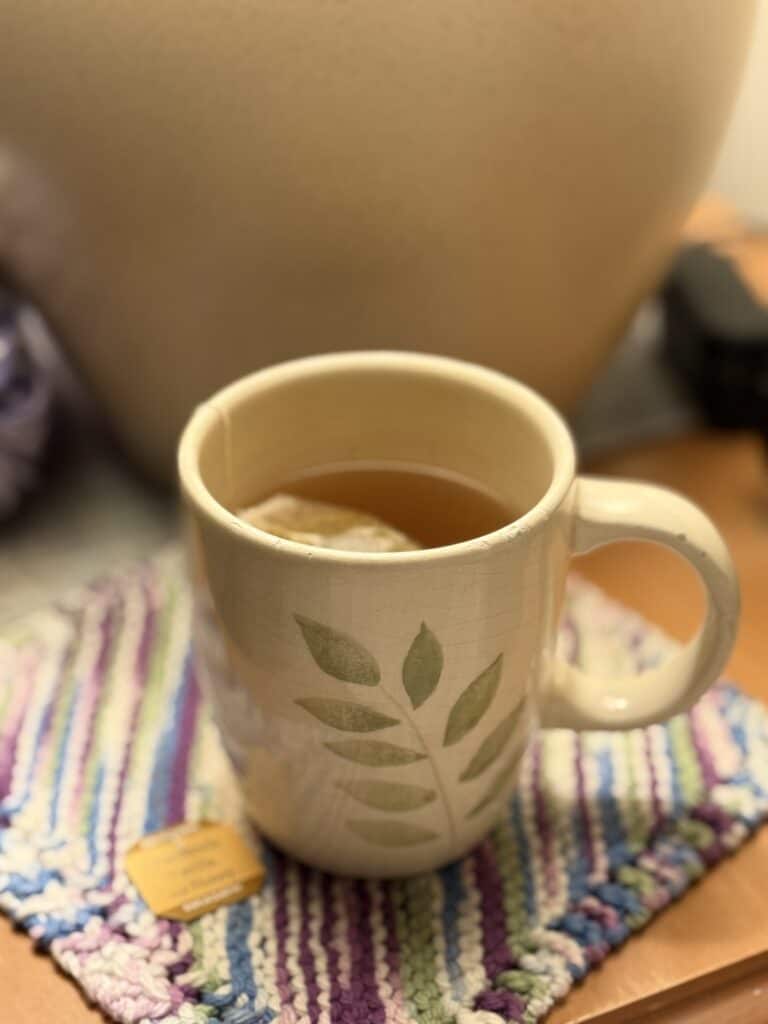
pixel 399 506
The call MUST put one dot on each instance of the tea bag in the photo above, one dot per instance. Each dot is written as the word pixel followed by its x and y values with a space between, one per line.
pixel 324 525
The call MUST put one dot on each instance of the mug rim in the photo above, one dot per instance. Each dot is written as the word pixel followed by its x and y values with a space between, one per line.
pixel 545 417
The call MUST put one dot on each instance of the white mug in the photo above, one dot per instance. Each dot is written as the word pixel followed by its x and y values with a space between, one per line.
pixel 375 706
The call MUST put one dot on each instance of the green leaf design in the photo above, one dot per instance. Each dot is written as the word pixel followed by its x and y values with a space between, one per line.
pixel 492 745
pixel 473 703
pixel 495 789
pixel 391 833
pixel 388 796
pixel 422 666
pixel 375 753
pixel 338 654
pixel 347 715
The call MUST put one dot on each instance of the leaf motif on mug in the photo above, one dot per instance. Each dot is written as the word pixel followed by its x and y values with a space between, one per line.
pixel 495 789
pixel 374 753
pixel 338 654
pixel 387 796
pixel 473 703
pixel 492 746
pixel 347 715
pixel 422 666
pixel 391 833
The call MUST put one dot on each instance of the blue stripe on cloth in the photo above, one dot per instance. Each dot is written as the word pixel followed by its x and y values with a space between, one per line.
pixel 453 893
pixel 242 1004
pixel 613 827
pixel 93 817
pixel 524 857
pixel 159 789
pixel 738 711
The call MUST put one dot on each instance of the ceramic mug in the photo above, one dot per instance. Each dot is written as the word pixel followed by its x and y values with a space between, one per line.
pixel 375 706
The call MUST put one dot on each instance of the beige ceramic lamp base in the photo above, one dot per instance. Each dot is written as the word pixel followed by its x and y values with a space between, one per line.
pixel 195 190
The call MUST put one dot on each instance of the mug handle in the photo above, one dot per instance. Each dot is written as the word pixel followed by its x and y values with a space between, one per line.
pixel 612 510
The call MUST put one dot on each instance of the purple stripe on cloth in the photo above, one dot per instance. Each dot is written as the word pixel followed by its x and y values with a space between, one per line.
pixel 364 1005
pixel 91 694
pixel 496 953
pixel 177 794
pixel 9 736
pixel 703 753
pixel 138 682
pixel 46 715
pixel 586 838
pixel 507 1005
pixel 658 811
pixel 282 971
pixel 306 957
pixel 327 937
pixel 543 825
pixel 45 734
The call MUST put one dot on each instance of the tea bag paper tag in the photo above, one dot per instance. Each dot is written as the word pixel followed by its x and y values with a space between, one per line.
pixel 187 870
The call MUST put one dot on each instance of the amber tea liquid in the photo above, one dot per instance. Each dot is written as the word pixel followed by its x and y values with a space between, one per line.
pixel 432 506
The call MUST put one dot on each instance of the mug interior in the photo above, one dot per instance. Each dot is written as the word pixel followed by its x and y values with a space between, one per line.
pixel 271 427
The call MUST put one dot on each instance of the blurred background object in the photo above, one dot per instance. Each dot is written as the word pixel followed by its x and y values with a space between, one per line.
pixel 697 352
pixel 190 191
pixel 87 510
pixel 716 328
pixel 25 411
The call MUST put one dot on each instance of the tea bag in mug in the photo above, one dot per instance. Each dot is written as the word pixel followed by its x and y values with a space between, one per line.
pixel 325 525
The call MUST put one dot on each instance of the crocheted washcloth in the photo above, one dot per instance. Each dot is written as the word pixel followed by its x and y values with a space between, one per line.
pixel 103 737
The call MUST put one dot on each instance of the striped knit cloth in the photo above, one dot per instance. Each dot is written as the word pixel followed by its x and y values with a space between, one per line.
pixel 103 738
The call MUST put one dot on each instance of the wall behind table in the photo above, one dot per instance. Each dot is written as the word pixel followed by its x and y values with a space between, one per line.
pixel 742 170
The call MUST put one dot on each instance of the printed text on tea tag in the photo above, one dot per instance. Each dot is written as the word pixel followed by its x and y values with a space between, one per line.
pixel 189 869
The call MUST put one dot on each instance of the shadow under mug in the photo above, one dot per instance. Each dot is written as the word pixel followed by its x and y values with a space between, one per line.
pixel 376 706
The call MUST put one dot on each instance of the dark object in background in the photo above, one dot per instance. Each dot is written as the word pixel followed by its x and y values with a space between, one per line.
pixel 716 335
pixel 25 412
